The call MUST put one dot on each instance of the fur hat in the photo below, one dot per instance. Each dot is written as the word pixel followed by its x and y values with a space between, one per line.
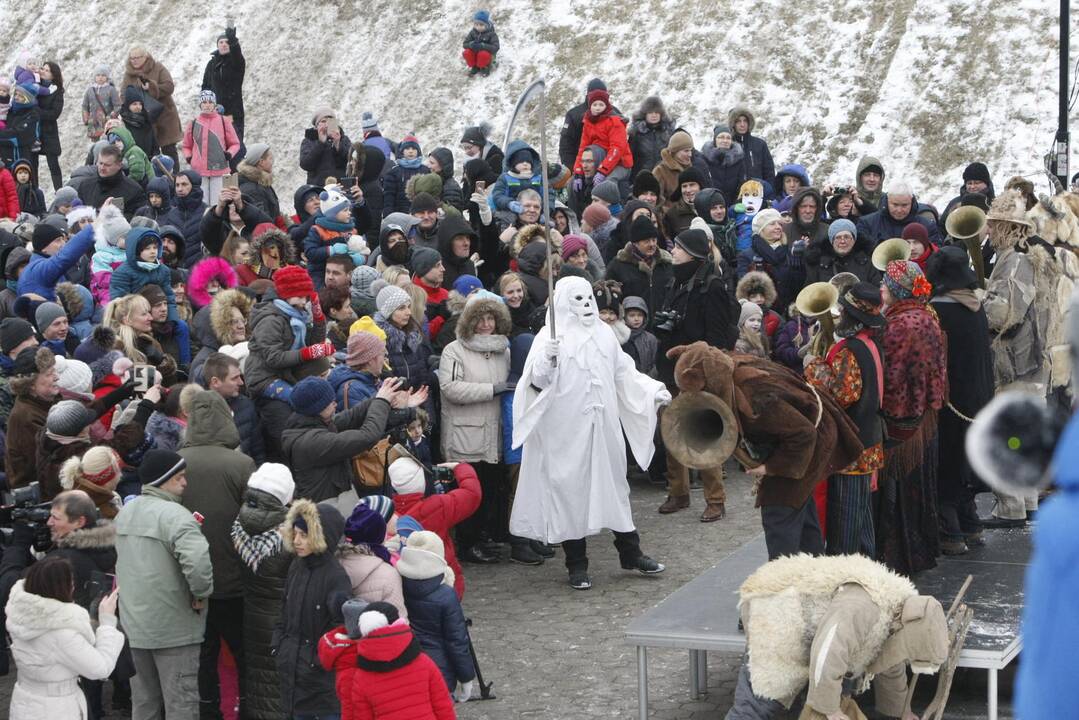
pixel 293 281
pixel 765 218
pixel 645 182
pixel 77 214
pixel 1010 206
pixel 977 171
pixel 407 476
pixel 479 303
pixel 158 466
pixel 756 283
pixel 311 396
pixel 390 298
pixel 331 202
pixel 274 479
pixel 209 269
pixel 322 112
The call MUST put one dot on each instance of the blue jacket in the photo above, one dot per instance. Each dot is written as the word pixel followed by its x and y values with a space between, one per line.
pixel 361 386
pixel 1045 686
pixel 743 224
pixel 249 424
pixel 509 187
pixel 43 272
pixel 435 614
pixel 881 226
pixel 129 278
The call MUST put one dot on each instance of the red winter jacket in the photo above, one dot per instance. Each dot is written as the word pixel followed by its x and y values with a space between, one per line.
pixel 393 679
pixel 435 296
pixel 9 195
pixel 609 132
pixel 439 513
pixel 337 652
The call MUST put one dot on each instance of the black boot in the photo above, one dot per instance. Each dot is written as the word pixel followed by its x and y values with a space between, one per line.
pixel 477 555
pixel 542 549
pixel 522 554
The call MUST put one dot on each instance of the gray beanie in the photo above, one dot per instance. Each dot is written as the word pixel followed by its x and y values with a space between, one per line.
pixel 56 220
pixel 255 151
pixel 608 192
pixel 46 313
pixel 721 128
pixel 64 196
pixel 422 260
pixel 362 278
pixel 67 418
pixel 390 299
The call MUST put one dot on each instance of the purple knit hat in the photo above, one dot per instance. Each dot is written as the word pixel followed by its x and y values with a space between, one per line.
pixel 365 527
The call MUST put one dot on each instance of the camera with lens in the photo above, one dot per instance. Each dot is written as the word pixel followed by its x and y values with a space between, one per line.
pixel 668 320
pixel 23 507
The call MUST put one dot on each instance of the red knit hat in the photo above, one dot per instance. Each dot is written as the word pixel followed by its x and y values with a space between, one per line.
pixel 916 231
pixel 292 281
pixel 600 95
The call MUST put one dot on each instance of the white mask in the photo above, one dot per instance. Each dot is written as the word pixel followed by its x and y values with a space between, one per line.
pixel 584 307
pixel 752 203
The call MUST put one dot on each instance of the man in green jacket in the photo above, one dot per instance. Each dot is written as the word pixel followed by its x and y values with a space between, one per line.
pixel 219 474
pixel 163 566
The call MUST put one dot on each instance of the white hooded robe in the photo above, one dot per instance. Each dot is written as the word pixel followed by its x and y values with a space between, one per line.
pixel 569 418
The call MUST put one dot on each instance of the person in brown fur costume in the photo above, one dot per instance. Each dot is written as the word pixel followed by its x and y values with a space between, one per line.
pixel 795 435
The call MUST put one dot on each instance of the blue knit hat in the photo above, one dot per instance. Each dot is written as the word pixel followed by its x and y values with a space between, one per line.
pixel 482 16
pixel 311 395
pixel 466 284
pixel 841 225
pixel 381 504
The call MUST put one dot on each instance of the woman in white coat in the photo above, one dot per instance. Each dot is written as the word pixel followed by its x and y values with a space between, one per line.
pixel 53 643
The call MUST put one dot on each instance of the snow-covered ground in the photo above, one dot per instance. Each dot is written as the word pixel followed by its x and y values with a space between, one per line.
pixel 926 85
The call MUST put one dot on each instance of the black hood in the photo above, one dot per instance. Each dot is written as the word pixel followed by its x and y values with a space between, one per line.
pixel 373 163
pixel 450 227
pixel 300 195
pixel 445 158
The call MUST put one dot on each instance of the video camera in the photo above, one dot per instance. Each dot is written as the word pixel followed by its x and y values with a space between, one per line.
pixel 667 320
pixel 23 506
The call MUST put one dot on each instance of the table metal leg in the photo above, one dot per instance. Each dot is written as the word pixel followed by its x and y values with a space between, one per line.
pixel 694 675
pixel 642 681
pixel 992 694
pixel 702 672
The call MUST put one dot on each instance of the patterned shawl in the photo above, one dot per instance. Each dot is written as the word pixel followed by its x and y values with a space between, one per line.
pixel 915 361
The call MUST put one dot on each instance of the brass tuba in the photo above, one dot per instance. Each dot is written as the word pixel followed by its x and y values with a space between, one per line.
pixel 815 302
pixel 844 281
pixel 889 250
pixel 699 430
pixel 967 224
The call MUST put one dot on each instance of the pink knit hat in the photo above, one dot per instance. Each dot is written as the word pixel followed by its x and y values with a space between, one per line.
pixel 571 244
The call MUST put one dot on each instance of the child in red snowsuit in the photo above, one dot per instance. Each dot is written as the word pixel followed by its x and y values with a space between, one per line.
pixel 481 44
pixel 602 127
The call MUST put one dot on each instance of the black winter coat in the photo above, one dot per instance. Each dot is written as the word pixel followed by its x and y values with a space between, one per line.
pixel 262 514
pixel 394 198
pixel 651 286
pixel 320 453
pixel 728 169
pixel 321 159
pixel 94 190
pixel 645 142
pixel 215 229
pixel 186 215
pixel 49 108
pixel 315 588
pixel 224 74
pixel 256 186
pixel 248 422
pixel 708 313
pixel 759 162
pixel 880 226
pixel 437 621
pixel 486 39
pixel 142 131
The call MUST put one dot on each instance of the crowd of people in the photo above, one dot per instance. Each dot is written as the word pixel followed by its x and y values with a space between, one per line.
pixel 287 432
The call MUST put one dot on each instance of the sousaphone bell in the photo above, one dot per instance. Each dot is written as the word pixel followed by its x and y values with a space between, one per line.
pixel 967 224
pixel 699 430
pixel 889 250
pixel 815 302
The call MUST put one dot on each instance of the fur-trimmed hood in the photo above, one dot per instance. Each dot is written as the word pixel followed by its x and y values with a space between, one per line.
pixel 23 385
pixel 325 526
pixel 533 233
pixel 783 603
pixel 221 312
pixel 30 616
pixel 474 308
pixel 99 537
pixel 255 174
pixel 74 303
pixel 756 282
pixel 207 269
pixel 269 238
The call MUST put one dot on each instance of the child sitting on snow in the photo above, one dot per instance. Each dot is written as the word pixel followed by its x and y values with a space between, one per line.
pixel 481 44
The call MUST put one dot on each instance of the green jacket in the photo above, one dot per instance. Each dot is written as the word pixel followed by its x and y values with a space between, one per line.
pixel 138 165
pixel 217 476
pixel 163 563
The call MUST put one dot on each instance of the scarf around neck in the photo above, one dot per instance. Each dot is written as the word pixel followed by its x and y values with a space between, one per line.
pixel 297 320
pixel 334 225
pixel 411 164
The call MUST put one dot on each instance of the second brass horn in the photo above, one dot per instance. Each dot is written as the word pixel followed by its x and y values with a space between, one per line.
pixel 699 430
pixel 815 302
pixel 889 250
pixel 968 225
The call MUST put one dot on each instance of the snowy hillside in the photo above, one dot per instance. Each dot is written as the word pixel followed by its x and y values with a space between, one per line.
pixel 926 85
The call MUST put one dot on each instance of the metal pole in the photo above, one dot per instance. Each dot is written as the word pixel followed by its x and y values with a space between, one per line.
pixel 1061 149
pixel 545 215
